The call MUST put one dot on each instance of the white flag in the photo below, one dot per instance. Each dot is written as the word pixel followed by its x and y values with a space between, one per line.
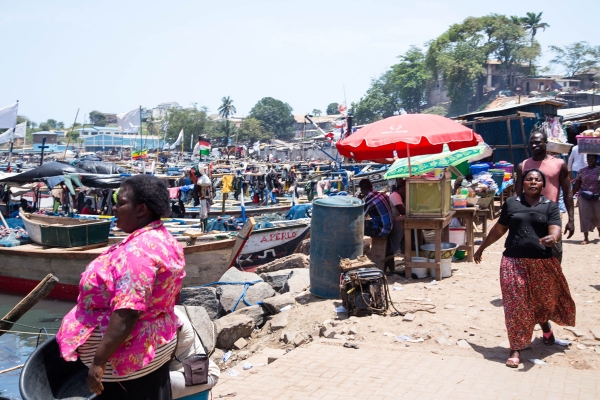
pixel 8 116
pixel 129 122
pixel 179 140
pixel 12 134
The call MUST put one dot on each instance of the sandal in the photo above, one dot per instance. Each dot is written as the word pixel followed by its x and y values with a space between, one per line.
pixel 350 346
pixel 513 362
pixel 548 338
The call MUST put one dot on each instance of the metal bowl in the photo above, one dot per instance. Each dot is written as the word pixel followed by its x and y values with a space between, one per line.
pixel 447 249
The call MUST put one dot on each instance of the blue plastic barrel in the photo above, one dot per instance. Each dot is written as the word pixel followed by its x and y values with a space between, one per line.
pixel 478 168
pixel 336 232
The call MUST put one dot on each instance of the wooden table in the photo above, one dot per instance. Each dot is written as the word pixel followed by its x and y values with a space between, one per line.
pixel 442 233
pixel 468 216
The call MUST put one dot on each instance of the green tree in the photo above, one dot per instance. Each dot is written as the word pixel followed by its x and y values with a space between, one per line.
pixel 382 100
pixel 412 77
pixel 532 22
pixel 332 109
pixel 97 118
pixel 437 110
pixel 193 121
pixel 226 109
pixel 575 57
pixel 275 116
pixel 316 112
pixel 252 130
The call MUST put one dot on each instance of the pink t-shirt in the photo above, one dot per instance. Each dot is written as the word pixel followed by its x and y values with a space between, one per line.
pixel 551 168
pixel 144 273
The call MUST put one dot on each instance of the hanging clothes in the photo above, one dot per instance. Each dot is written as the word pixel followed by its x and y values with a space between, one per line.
pixel 227 182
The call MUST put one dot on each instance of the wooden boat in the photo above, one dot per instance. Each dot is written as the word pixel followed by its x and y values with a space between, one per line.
pixel 23 267
pixel 65 232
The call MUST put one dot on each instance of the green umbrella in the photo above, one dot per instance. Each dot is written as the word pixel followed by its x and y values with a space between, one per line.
pixel 422 164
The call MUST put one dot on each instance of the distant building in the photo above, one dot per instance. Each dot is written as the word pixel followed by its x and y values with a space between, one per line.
pixel 588 77
pixel 38 139
pixel 235 120
pixel 162 110
pixel 146 113
pixel 325 122
pixel 98 138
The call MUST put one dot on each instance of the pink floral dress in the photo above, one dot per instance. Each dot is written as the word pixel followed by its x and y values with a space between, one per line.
pixel 143 273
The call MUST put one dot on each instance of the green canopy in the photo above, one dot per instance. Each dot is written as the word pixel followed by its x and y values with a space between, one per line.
pixel 422 164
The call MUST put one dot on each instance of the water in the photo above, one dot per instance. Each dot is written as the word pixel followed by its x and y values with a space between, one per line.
pixel 16 347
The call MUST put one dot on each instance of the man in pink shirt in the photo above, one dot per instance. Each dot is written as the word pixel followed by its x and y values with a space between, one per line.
pixel 557 177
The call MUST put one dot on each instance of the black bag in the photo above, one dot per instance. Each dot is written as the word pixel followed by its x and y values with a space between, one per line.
pixel 195 369
pixel 586 194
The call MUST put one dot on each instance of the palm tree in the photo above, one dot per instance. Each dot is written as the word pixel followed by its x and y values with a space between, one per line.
pixel 532 22
pixel 225 110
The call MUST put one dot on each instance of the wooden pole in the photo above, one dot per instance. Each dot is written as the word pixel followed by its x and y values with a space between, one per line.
pixel 512 157
pixel 39 292
pixel 524 137
pixel 2 216
pixel 71 134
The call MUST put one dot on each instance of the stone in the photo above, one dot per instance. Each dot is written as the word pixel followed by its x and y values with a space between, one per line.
pixel 255 293
pixel 299 340
pixel 288 337
pixel 304 247
pixel 256 347
pixel 315 333
pixel 463 344
pixel 276 303
pixel 409 317
pixel 353 330
pixel 576 331
pixel 242 355
pixel 442 340
pixel 277 279
pixel 299 280
pixel 203 296
pixel 217 356
pixel 295 260
pixel 257 313
pixel 304 297
pixel 279 321
pixel 232 327
pixel 596 332
pixel 373 329
pixel 240 344
pixel 202 323
pixel 328 333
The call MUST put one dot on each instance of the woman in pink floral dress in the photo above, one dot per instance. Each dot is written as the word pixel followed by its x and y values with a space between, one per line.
pixel 124 325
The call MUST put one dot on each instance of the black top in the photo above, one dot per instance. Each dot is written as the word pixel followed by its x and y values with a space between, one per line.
pixel 527 225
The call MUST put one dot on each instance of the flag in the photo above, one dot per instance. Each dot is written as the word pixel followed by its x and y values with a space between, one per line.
pixel 8 116
pixel 17 133
pixel 129 122
pixel 136 155
pixel 256 146
pixel 165 126
pixel 178 141
pixel 203 147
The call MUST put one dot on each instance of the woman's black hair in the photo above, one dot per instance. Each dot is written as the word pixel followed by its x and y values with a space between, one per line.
pixel 152 192
pixel 533 170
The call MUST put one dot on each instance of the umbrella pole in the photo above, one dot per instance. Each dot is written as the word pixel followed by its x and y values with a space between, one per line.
pixel 408 158
pixel 416 243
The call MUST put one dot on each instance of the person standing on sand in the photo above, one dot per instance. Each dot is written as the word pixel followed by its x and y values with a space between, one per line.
pixel 557 177
pixel 534 289
pixel 587 185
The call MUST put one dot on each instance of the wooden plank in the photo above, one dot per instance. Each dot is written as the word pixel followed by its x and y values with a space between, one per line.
pixel 524 114
pixel 524 136
pixel 496 119
pixel 241 239
pixel 510 146
pixel 39 292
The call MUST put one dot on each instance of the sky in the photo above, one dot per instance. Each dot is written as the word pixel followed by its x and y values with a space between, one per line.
pixel 113 56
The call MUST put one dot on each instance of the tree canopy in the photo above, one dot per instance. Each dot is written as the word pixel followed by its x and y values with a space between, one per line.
pixel 193 121
pixel 97 118
pixel 226 109
pixel 332 109
pixel 275 116
pixel 252 131
pixel 575 57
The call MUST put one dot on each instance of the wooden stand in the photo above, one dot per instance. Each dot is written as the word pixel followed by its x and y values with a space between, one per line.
pixel 441 227
pixel 467 215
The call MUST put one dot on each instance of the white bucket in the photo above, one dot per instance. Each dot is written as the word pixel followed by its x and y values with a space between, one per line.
pixel 458 235
pixel 419 272
pixel 446 268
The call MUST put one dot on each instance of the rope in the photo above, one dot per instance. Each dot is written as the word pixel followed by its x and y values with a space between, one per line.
pixel 242 296
pixel 26 326
pixel 28 333
pixel 12 369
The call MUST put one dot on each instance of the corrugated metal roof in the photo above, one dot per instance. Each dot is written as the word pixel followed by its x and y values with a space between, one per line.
pixel 512 107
